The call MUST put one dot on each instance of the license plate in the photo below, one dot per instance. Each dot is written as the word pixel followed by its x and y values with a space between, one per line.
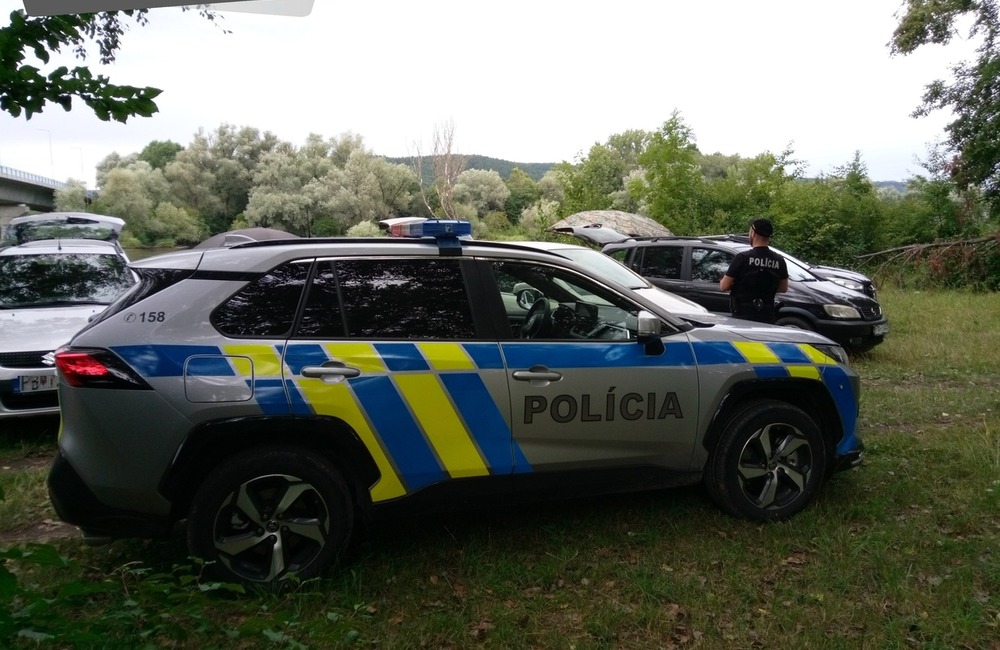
pixel 881 329
pixel 36 383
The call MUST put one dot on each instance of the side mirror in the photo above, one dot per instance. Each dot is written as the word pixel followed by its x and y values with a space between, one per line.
pixel 649 329
pixel 649 325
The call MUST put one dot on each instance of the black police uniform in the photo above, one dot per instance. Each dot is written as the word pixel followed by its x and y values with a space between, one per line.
pixel 756 275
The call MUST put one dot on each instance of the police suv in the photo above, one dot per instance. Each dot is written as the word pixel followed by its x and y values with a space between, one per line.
pixel 278 394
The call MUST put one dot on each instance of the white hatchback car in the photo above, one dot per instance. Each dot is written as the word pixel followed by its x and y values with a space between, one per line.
pixel 49 289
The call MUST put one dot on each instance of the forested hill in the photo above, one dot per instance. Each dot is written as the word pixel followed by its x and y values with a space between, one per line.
pixel 537 170
pixel 502 167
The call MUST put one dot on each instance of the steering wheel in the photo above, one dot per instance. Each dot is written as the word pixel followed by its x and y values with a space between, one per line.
pixel 538 320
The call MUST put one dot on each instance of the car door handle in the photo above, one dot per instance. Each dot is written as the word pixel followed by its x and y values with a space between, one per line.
pixel 331 372
pixel 537 374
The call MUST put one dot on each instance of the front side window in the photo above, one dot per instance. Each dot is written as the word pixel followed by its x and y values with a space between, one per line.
pixel 551 303
pixel 709 265
pixel 62 278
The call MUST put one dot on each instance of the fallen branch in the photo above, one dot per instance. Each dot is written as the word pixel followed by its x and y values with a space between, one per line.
pixel 913 249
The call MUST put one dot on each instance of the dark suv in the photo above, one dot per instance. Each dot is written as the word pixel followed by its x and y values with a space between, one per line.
pixel 692 267
pixel 844 277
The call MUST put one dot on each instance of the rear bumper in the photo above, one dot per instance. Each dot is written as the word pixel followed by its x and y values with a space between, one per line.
pixel 15 404
pixel 76 504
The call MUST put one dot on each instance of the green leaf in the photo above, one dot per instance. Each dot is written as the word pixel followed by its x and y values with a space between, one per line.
pixel 8 584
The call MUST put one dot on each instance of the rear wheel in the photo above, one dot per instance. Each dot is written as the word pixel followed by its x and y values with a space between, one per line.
pixel 769 462
pixel 269 513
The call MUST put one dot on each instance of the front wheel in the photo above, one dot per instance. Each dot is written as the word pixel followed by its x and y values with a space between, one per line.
pixel 269 513
pixel 769 462
pixel 792 321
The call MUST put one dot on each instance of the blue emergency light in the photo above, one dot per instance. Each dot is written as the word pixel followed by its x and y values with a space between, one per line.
pixel 432 228
pixel 446 232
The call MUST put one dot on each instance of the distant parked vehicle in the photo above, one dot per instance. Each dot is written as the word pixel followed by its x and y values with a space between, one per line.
pixel 691 267
pixel 51 284
pixel 844 277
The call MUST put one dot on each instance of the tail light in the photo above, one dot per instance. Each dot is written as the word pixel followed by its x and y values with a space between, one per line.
pixel 97 369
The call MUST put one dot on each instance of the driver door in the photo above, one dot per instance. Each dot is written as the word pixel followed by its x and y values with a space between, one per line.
pixel 585 392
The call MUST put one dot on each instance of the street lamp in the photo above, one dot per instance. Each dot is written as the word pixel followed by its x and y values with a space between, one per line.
pixel 80 149
pixel 52 160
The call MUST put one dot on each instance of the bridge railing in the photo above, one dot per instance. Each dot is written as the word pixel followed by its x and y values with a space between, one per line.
pixel 18 175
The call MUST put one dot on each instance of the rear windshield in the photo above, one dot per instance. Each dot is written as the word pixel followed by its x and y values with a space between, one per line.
pixel 62 228
pixel 64 278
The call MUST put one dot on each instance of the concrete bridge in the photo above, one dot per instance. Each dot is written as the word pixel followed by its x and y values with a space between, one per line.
pixel 23 192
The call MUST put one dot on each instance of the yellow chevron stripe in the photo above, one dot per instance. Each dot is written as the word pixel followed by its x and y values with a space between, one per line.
pixel 265 360
pixel 359 355
pixel 756 352
pixel 441 425
pixel 446 356
pixel 337 400
pixel 816 356
pixel 805 372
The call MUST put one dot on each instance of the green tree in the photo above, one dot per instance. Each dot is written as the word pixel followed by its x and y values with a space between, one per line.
pixel 971 96
pixel 745 189
pixel 481 189
pixel 550 187
pixel 368 188
pixel 292 188
pixel 170 225
pixel 159 152
pixel 523 192
pixel 592 182
pixel 112 161
pixel 25 88
pixel 673 188
pixel 123 195
pixel 72 198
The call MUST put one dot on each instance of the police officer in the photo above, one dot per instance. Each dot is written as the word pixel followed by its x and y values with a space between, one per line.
pixel 755 276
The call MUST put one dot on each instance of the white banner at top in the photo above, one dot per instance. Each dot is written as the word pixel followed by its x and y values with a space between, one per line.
pixel 60 7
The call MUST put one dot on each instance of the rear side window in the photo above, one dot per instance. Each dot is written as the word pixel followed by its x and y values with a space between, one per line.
pixel 410 299
pixel 265 307
pixel 663 262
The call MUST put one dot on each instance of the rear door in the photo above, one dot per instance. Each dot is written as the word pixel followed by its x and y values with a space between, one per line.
pixel 396 349
pixel 664 266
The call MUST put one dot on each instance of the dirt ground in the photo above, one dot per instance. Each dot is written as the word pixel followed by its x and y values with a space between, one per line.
pixel 42 531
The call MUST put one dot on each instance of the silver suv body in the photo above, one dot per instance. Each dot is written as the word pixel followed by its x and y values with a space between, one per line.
pixel 276 394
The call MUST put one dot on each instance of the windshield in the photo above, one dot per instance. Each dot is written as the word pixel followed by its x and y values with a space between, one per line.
pixel 39 280
pixel 605 266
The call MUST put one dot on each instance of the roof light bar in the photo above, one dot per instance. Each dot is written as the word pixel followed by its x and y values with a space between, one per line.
pixel 432 228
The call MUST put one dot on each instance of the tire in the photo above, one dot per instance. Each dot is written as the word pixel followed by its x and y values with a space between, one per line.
pixel 270 513
pixel 769 463
pixel 792 321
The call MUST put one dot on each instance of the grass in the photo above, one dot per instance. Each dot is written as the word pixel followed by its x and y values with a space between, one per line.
pixel 903 552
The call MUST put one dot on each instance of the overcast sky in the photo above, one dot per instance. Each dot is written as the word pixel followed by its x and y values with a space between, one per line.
pixel 521 80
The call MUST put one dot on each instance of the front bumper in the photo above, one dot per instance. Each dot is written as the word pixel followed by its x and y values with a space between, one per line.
pixel 76 504
pixel 849 460
pixel 854 335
